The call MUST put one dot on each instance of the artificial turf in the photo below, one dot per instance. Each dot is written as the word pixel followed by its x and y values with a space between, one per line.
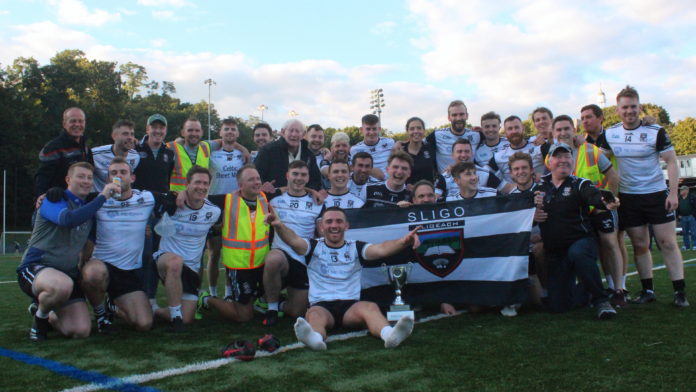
pixel 646 347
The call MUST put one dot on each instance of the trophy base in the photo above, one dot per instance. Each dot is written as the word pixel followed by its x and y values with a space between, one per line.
pixel 399 308
pixel 396 316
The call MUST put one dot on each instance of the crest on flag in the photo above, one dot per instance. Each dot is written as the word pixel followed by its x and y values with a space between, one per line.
pixel 441 251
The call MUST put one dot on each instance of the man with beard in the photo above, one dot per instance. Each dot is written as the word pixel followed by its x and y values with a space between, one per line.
pixel 373 144
pixel 315 142
pixel 297 210
pixel 492 142
pixel 191 153
pixel 340 149
pixel 514 131
pixel 645 197
pixel 361 165
pixel 124 143
pixel 393 190
pixel 462 152
pixel 591 164
pixel 262 134
pixel 60 153
pixel 542 118
pixel 274 158
pixel 224 164
pixel 467 180
pixel 444 138
pixel 334 267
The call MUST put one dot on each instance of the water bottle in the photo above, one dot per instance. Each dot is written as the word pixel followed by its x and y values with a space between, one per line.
pixel 117 181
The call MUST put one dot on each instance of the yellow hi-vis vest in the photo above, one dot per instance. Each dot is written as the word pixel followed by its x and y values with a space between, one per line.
pixel 182 164
pixel 244 238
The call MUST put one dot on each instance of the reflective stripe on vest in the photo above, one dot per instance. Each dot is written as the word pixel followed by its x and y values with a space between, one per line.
pixel 244 240
pixel 182 163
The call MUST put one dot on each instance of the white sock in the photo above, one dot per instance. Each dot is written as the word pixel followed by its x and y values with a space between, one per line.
pixel 212 291
pixel 205 300
pixel 200 291
pixel 401 331
pixel 306 335
pixel 228 291
pixel 610 282
pixel 281 307
pixel 153 303
pixel 384 334
pixel 273 306
pixel 175 311
pixel 624 282
pixel 41 314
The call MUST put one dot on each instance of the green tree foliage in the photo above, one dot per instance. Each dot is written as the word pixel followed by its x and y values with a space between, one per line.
pixel 683 136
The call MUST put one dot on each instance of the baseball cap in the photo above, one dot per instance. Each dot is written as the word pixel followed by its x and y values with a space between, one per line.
pixel 562 146
pixel 156 117
pixel 684 187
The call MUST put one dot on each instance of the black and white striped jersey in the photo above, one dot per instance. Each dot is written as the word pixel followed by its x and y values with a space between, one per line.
pixel 501 168
pixel 444 139
pixel 482 192
pixel 637 153
pixel 484 152
pixel 345 201
pixel 102 160
pixel 380 195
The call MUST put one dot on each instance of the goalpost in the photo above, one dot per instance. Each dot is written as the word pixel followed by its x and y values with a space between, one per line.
pixel 23 234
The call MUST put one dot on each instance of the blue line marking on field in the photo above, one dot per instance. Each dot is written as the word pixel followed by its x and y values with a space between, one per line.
pixel 73 372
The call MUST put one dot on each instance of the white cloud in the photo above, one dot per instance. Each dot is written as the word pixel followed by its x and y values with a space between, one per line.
pixel 3 12
pixel 165 15
pixel 159 3
pixel 158 43
pixel 514 56
pixel 383 28
pixel 75 12
pixel 126 11
pixel 41 41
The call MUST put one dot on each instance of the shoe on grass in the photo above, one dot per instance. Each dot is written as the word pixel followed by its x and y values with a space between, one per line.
pixel 39 329
pixel 680 299
pixel 619 299
pixel 272 317
pixel 645 297
pixel 683 248
pixel 177 325
pixel 105 324
pixel 605 311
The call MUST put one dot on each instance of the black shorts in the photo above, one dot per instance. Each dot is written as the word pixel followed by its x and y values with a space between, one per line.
pixel 605 221
pixel 337 309
pixel 26 276
pixel 640 210
pixel 190 281
pixel 212 233
pixel 532 265
pixel 249 283
pixel 297 273
pixel 122 282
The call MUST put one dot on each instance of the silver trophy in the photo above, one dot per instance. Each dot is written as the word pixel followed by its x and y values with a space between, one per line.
pixel 397 275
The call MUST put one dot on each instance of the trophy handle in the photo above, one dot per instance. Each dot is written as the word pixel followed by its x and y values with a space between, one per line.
pixel 384 268
pixel 409 269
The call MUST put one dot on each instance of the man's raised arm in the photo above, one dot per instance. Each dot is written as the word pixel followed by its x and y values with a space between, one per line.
pixel 392 247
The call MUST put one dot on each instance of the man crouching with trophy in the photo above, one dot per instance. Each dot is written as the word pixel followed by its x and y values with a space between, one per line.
pixel 334 266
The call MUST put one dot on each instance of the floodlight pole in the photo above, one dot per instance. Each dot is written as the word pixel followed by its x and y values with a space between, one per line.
pixel 377 103
pixel 262 108
pixel 210 83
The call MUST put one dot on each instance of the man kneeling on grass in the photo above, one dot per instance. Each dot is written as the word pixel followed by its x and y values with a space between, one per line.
pixel 333 267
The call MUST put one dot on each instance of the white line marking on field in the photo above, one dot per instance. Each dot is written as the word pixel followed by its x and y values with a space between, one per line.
pixel 11 281
pixel 656 268
pixel 197 367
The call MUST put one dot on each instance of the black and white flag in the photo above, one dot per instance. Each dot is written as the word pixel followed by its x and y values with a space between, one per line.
pixel 472 251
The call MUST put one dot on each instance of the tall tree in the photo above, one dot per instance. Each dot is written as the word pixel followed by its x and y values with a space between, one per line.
pixel 135 77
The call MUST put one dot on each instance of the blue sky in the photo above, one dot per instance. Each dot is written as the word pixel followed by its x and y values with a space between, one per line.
pixel 321 58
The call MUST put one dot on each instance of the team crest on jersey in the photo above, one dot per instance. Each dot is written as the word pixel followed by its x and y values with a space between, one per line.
pixel 229 157
pixel 471 138
pixel 643 137
pixel 350 203
pixel 426 154
pixel 309 205
pixel 143 155
pixel 441 251
pixel 208 215
pixel 141 200
pixel 566 191
pixel 165 158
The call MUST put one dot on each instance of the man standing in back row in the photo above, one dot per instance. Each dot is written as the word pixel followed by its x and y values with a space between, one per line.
pixel 373 144
pixel 444 138
pixel 644 196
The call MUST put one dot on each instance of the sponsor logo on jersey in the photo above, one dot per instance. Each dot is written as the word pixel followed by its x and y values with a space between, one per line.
pixel 282 215
pixel 615 136
pixel 608 223
pixel 179 227
pixel 441 251
pixel 165 157
pixel 347 255
pixel 378 193
pixel 112 214
pixel 566 191
pixel 384 145
pixel 618 150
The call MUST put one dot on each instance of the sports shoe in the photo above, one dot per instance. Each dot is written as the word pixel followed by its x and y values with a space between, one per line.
pixel 272 317
pixel 609 292
pixel 105 324
pixel 619 299
pixel 683 248
pixel 177 325
pixel 39 329
pixel 261 305
pixel 644 297
pixel 201 303
pixel 680 299
pixel 605 311
pixel 241 349
pixel 269 343
pixel 509 311
pixel 109 305
pixel 627 295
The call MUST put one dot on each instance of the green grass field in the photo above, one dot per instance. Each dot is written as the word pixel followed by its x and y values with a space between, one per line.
pixel 648 347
